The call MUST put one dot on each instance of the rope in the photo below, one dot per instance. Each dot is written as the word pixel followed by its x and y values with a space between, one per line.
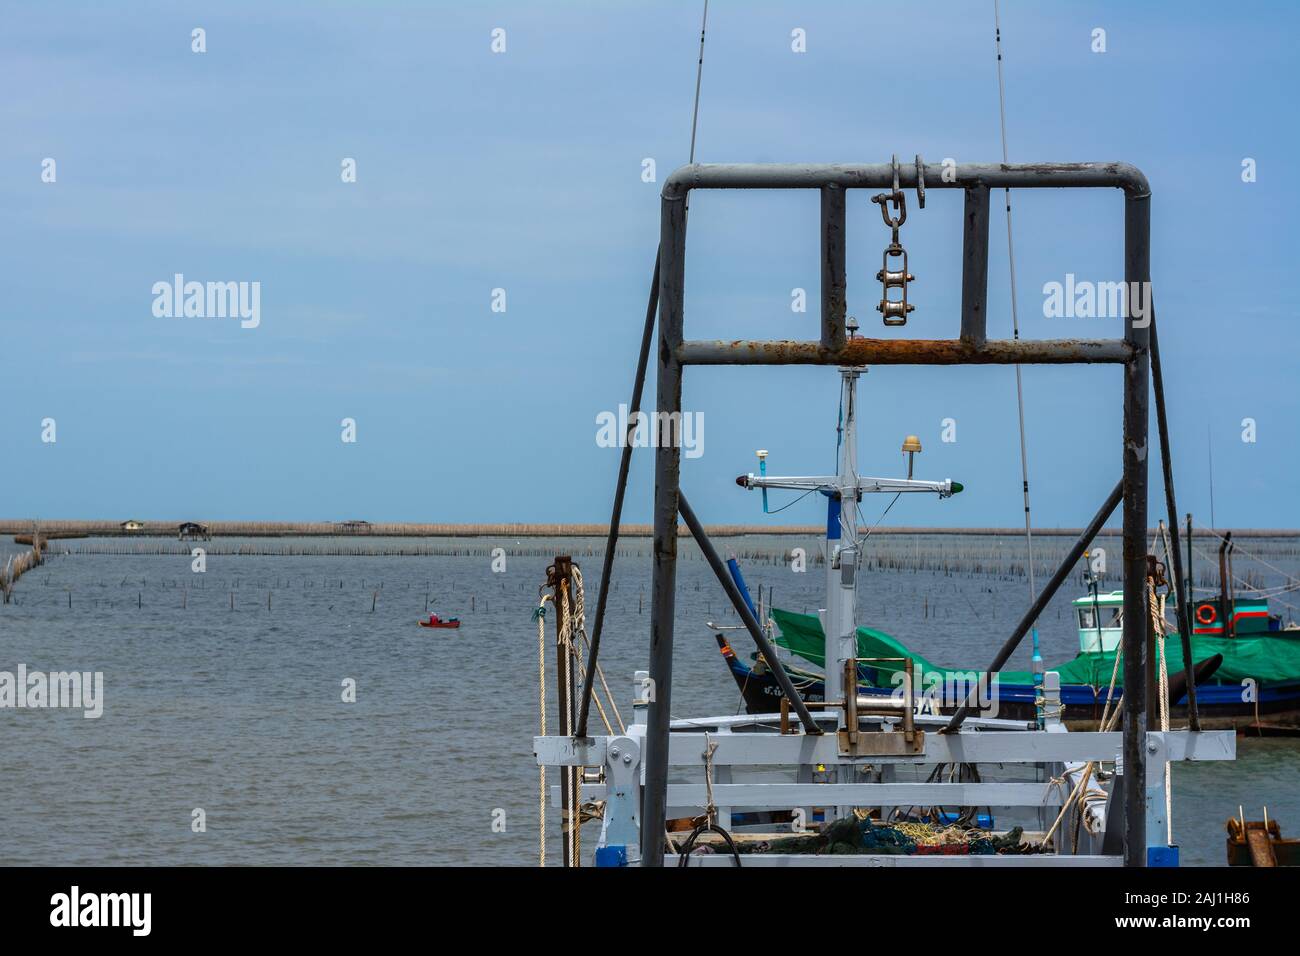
pixel 709 821
pixel 1156 607
pixel 710 810
pixel 600 708
pixel 582 677
pixel 1253 557
pixel 878 520
pixel 949 773
pixel 1109 717
pixel 689 845
pixel 1271 594
pixel 1078 795
pixel 699 75
pixel 572 782
pixel 580 627
pixel 1106 715
pixel 573 622
pixel 1015 314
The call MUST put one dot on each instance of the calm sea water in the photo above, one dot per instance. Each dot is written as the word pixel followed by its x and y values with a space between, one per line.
pixel 239 711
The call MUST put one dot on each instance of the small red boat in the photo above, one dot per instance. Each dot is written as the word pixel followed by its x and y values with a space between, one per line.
pixel 435 621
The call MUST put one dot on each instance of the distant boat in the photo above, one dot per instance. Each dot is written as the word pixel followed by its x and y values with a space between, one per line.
pixel 435 621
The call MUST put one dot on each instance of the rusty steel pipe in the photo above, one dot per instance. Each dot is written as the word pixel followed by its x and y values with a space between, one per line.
pixel 866 351
pixel 1135 450
pixel 881 176
pixel 746 615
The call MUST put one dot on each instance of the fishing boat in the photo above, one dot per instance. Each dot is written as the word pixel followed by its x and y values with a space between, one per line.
pixel 859 756
pixel 436 621
pixel 1254 673
pixel 841 774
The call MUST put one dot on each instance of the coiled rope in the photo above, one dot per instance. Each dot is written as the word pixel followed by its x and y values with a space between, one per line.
pixel 579 626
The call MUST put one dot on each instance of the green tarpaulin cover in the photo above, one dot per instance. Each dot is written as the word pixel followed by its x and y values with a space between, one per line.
pixel 1265 659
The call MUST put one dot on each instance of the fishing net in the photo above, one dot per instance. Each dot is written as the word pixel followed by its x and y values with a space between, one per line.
pixel 860 835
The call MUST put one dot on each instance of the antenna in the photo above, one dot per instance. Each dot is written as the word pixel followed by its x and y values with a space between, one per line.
pixel 1209 449
pixel 1015 321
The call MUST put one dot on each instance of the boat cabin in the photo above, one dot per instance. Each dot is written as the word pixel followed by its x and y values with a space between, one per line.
pixel 1250 616
pixel 1101 621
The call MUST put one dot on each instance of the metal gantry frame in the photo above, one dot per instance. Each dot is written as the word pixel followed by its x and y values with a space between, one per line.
pixel 834 347
pixel 738 745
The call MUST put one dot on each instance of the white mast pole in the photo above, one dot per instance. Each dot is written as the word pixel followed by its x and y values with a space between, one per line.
pixel 842 550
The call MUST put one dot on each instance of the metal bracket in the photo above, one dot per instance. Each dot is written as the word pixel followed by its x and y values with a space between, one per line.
pixel 623 770
pixel 888 743
pixel 857 743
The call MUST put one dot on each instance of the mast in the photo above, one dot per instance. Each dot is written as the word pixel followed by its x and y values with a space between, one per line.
pixel 843 545
pixel 843 555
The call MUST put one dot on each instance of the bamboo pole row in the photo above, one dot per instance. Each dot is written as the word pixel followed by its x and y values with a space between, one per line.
pixel 16 565
pixel 993 559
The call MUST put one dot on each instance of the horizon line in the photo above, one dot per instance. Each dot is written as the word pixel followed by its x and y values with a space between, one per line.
pixel 54 528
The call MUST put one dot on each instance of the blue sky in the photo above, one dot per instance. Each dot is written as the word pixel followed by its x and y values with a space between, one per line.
pixel 522 171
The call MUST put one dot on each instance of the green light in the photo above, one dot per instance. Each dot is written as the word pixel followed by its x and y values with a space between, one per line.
pixel 957 487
